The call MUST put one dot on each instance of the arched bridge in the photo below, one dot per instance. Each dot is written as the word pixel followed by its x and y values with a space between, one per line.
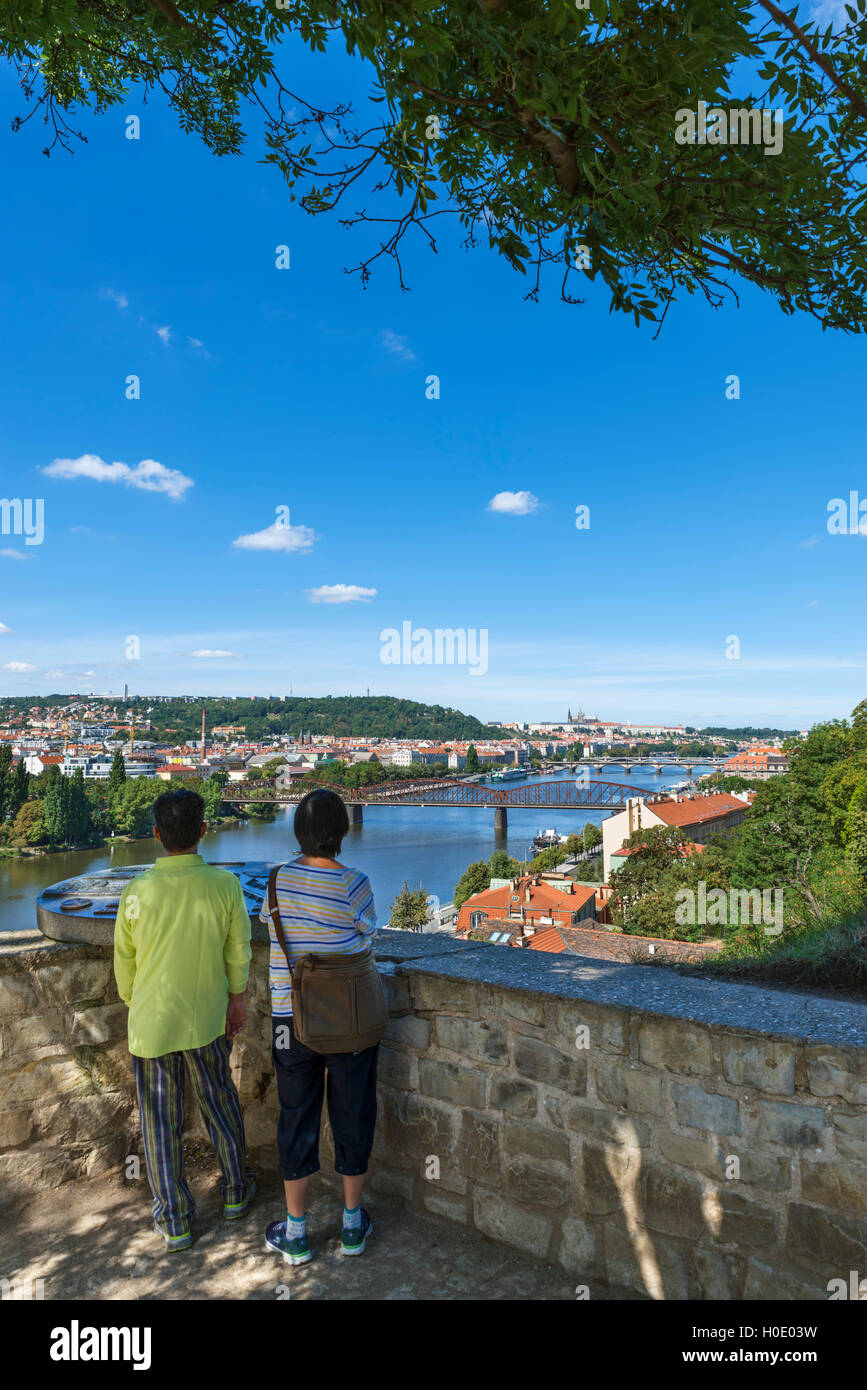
pixel 579 794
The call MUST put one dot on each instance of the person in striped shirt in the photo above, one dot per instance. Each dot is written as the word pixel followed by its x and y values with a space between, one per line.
pixel 324 906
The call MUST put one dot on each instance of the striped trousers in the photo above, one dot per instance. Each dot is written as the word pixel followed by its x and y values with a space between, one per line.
pixel 160 1085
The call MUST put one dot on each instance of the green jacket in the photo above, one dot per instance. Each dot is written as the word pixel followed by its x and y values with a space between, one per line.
pixel 181 947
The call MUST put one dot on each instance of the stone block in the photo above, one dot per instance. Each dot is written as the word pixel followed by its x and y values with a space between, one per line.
pixel 391 1183
pixel 106 1156
pixel 529 1184
pixel 83 1117
pixel 396 1069
pixel 408 1031
pixel 76 980
pixel 825 1242
pixel 577 1252
pixel 107 1067
pixel 37 1030
pixel 17 996
pixel 608 1027
pixel 835 1185
pixel 670 1202
pixel 31 1080
pixel 620 1084
pixel 535 1142
pixel 16 1126
pixel 837 1071
pixel 607 1126
pixel 509 1223
pixel 103 1024
pixel 649 1264
pixel 430 992
pixel 785 1123
pixel 610 1179
pixel 759 1062
pixel 719 1274
pixel 422 1128
pixel 523 1007
pixel 25 1171
pixel 700 1109
pixel 515 1097
pixel 538 1061
pixel 472 1038
pixel 850 1134
pixel 481 1141
pixel 697 1155
pixel 396 990
pixel 446 1204
pixel 445 1081
pixel 744 1223
pixel 776 1284
pixel 673 1044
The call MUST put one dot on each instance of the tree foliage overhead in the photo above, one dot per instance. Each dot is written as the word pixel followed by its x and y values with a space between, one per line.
pixel 543 128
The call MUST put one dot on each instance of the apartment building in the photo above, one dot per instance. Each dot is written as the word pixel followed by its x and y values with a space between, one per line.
pixel 699 817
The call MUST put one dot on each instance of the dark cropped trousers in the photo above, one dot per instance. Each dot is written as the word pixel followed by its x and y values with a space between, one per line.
pixel 346 1079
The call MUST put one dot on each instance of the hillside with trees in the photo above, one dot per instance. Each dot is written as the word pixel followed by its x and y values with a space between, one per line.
pixel 360 716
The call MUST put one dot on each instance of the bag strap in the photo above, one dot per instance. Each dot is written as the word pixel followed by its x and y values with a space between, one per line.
pixel 275 910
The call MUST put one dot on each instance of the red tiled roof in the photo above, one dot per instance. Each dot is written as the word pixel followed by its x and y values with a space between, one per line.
pixel 684 851
pixel 696 810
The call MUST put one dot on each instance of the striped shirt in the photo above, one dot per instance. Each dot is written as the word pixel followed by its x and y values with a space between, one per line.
pixel 320 910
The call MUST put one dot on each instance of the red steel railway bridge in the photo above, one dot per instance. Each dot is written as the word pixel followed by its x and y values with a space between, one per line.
pixel 579 794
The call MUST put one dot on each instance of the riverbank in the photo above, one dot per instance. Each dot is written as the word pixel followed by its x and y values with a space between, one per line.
pixel 41 851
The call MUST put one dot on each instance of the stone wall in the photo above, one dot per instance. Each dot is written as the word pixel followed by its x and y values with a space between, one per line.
pixel 680 1137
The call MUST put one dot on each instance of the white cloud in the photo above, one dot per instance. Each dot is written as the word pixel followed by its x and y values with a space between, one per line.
pixel 18 666
pixel 4 628
pixel 205 652
pixel 833 12
pixel 812 540
pixel 164 334
pixel 814 603
pixel 396 343
pixel 14 554
pixel 340 593
pixel 148 475
pixel 277 537
pixel 514 503
pixel 198 346
pixel 117 298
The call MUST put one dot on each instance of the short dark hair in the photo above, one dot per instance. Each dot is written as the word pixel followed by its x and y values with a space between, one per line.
pixel 321 821
pixel 178 817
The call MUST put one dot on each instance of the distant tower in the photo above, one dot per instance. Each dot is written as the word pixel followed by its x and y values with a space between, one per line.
pixel 126 692
pixel 568 716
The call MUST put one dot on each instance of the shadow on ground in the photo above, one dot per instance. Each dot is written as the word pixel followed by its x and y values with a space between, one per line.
pixel 93 1240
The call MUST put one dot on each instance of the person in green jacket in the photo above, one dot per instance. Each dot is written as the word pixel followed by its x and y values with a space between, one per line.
pixel 181 960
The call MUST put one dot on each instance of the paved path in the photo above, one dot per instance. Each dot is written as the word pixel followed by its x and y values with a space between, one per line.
pixel 92 1240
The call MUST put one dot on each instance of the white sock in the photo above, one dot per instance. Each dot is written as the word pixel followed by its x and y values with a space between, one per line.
pixel 296 1226
pixel 352 1219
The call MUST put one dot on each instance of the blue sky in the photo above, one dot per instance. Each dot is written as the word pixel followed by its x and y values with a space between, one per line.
pixel 264 389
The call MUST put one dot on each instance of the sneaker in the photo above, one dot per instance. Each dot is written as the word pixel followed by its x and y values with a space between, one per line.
pixel 233 1210
pixel 354 1240
pixel 295 1251
pixel 181 1242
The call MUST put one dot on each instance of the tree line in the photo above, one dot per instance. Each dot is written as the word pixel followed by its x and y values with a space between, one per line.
pixel 52 811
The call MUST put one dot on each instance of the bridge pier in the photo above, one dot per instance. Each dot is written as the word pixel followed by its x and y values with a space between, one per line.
pixel 501 821
pixel 356 813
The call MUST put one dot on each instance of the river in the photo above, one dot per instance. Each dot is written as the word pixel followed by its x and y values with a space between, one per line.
pixel 427 846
